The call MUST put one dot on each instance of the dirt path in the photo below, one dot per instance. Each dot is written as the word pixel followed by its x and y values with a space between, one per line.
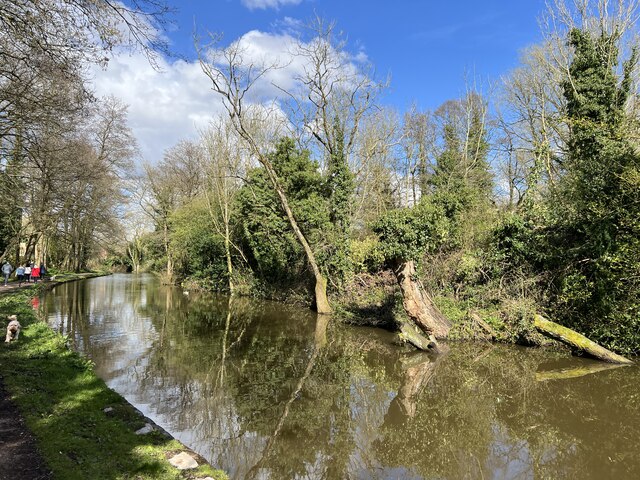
pixel 19 457
pixel 13 286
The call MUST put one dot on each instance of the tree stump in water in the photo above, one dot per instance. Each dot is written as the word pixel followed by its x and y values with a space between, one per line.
pixel 417 304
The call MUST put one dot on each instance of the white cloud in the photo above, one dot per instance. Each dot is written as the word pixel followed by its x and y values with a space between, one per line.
pixel 290 25
pixel 164 106
pixel 264 4
pixel 176 102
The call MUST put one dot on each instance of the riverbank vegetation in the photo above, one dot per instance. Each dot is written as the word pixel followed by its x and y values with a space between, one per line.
pixel 459 222
pixel 63 403
pixel 492 207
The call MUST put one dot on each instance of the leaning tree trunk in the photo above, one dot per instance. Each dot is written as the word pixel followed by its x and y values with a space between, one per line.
pixel 233 85
pixel 227 252
pixel 322 301
pixel 417 304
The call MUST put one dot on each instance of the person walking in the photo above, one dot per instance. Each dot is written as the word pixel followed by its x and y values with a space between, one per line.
pixel 7 268
pixel 20 274
pixel 43 271
pixel 35 273
pixel 27 273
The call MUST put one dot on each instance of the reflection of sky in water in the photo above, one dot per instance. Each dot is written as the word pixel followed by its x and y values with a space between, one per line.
pixel 509 458
pixel 143 341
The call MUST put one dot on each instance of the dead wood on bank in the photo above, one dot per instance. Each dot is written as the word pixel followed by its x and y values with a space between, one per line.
pixel 577 341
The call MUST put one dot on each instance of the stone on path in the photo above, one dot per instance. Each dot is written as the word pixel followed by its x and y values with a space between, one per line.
pixel 183 461
pixel 148 428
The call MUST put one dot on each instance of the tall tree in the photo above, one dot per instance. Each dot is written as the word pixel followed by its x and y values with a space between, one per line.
pixel 331 97
pixel 276 253
pixel 598 212
pixel 462 182
pixel 231 77
pixel 175 181
pixel 418 142
pixel 224 167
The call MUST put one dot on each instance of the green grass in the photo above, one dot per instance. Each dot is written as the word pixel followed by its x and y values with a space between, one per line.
pixel 62 401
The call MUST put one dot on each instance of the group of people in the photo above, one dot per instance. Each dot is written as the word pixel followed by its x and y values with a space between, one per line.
pixel 24 273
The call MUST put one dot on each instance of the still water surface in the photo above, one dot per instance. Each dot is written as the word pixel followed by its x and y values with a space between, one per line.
pixel 265 391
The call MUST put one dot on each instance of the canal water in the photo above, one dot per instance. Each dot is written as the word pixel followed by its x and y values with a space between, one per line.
pixel 266 391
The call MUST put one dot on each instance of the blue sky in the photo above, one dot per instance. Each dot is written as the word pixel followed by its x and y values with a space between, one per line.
pixel 428 48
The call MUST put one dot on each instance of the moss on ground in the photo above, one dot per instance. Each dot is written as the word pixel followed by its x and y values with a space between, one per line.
pixel 63 402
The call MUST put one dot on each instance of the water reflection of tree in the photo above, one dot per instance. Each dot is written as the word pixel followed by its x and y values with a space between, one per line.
pixel 249 383
pixel 361 410
pixel 478 421
pixel 281 391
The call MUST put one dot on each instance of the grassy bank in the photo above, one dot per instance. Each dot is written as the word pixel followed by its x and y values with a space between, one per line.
pixel 63 402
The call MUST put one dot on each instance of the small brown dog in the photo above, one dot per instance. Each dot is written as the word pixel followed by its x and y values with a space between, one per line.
pixel 13 329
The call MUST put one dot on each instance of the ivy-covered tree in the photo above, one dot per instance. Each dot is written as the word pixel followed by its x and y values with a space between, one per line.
pixel 462 182
pixel 597 235
pixel 276 252
pixel 339 190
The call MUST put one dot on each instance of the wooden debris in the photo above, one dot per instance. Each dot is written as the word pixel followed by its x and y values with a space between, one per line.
pixel 483 325
pixel 411 334
pixel 578 341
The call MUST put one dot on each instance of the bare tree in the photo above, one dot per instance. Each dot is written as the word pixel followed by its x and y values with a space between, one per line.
pixel 44 48
pixel 89 30
pixel 85 182
pixel 531 122
pixel 224 166
pixel 378 182
pixel 175 181
pixel 233 77
pixel 418 144
pixel 333 93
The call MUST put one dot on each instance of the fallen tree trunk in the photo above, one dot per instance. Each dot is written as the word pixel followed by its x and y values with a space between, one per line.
pixel 576 340
pixel 419 307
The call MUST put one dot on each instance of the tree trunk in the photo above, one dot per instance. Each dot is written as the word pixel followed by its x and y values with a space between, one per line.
pixel 410 333
pixel 169 278
pixel 419 307
pixel 576 340
pixel 169 269
pixel 227 252
pixel 322 302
